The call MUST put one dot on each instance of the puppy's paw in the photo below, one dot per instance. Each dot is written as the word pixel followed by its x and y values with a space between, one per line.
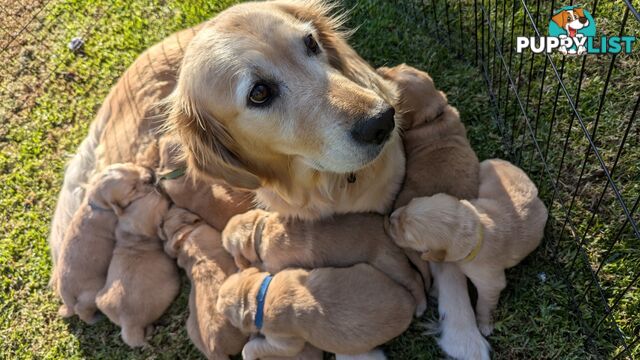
pixel 133 336
pixel 248 353
pixel 376 354
pixel 421 308
pixel 65 311
pixel 465 344
pixel 485 327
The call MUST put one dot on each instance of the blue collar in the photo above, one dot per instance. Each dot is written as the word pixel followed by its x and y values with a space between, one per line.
pixel 262 294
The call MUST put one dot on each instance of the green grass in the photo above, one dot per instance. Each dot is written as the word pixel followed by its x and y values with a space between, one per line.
pixel 51 96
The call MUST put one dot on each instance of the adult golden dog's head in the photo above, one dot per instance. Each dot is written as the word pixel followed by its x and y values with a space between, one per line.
pixel 265 85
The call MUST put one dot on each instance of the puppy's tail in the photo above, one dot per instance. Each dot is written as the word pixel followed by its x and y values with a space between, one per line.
pixel 375 354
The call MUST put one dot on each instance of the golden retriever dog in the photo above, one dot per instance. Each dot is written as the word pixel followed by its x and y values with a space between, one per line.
pixel 439 159
pixel 142 280
pixel 265 100
pixel 90 239
pixel 484 236
pixel 215 202
pixel 199 251
pixel 325 150
pixel 341 310
pixel 273 243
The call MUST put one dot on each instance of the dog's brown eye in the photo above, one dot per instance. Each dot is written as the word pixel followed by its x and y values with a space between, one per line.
pixel 260 94
pixel 312 45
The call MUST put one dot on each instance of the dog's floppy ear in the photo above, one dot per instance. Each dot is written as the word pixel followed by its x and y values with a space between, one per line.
pixel 560 19
pixel 434 255
pixel 209 149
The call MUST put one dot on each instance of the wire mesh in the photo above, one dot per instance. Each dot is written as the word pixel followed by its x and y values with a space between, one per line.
pixel 571 123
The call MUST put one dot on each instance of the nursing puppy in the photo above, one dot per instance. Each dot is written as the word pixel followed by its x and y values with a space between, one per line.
pixel 342 310
pixel 214 201
pixel 142 280
pixel 199 251
pixel 438 155
pixel 272 243
pixel 88 242
pixel 439 159
pixel 484 236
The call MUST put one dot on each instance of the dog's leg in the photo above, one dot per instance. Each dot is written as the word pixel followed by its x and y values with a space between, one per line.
pixel 489 286
pixel 133 335
pixel 261 347
pixel 397 267
pixel 376 354
pixel 86 307
pixel 460 337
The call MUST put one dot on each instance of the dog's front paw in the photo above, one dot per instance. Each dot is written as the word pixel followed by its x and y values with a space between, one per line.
pixel 248 354
pixel 465 345
pixel 485 327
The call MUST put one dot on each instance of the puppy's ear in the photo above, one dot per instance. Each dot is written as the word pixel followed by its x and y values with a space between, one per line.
pixel 117 208
pixel 560 19
pixel 173 245
pixel 209 149
pixel 241 261
pixel 434 255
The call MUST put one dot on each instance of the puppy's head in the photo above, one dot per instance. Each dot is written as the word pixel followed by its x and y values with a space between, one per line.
pixel 144 215
pixel 236 298
pixel 177 225
pixel 119 184
pixel 265 84
pixel 238 237
pixel 419 100
pixel 440 227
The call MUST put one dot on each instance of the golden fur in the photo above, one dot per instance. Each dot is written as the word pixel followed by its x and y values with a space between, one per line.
pixel 199 251
pixel 215 202
pixel 320 306
pixel 88 243
pixel 506 222
pixel 142 280
pixel 296 157
pixel 273 243
pixel 439 159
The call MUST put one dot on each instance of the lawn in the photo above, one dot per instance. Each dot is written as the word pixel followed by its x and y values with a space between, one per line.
pixel 48 97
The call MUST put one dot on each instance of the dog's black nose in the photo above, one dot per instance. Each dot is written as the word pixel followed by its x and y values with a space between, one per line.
pixel 583 20
pixel 375 130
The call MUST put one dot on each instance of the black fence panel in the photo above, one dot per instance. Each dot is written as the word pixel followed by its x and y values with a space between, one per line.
pixel 571 123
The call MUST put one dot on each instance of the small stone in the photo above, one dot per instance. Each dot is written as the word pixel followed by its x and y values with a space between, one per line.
pixel 76 44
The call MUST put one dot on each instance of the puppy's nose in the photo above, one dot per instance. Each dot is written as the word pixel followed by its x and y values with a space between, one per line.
pixel 583 20
pixel 376 130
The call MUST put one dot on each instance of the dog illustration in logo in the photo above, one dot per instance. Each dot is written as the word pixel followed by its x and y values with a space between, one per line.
pixel 571 19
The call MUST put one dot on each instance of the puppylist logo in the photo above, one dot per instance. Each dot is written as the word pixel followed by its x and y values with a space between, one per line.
pixel 572 31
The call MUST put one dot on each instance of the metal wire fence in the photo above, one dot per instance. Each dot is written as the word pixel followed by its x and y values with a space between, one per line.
pixel 571 123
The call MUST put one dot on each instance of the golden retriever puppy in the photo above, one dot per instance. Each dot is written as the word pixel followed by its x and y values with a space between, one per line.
pixel 342 310
pixel 214 201
pixel 484 236
pixel 199 251
pixel 88 242
pixel 142 280
pixel 272 243
pixel 270 97
pixel 439 159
